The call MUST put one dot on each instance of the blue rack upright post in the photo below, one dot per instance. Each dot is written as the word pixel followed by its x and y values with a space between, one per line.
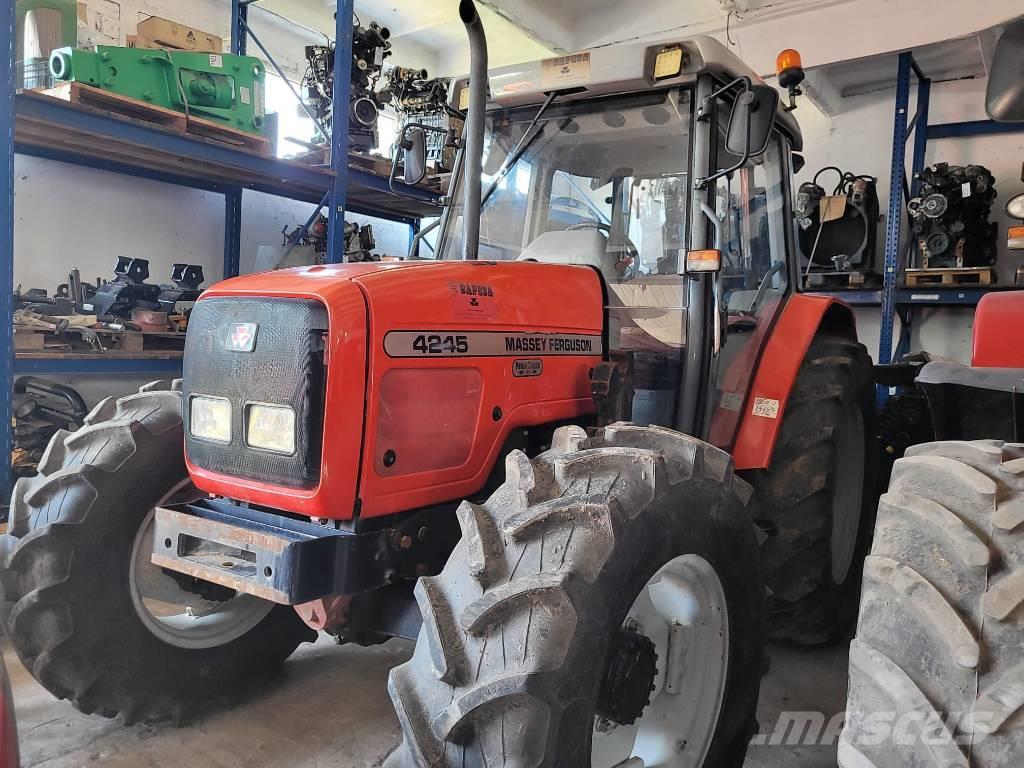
pixel 339 131
pixel 7 70
pixel 233 195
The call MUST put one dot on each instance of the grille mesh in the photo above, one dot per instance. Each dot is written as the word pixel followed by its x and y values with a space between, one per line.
pixel 285 367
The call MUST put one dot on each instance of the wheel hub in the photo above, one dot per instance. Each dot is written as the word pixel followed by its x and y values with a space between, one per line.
pixel 629 680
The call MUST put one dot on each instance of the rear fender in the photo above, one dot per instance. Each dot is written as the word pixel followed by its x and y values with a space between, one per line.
pixel 803 317
pixel 999 331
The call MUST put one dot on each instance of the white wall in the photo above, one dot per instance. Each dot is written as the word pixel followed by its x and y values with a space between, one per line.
pixel 68 216
pixel 859 140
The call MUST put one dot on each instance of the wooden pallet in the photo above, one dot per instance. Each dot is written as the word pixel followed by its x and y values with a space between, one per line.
pixel 38 340
pixel 179 122
pixel 951 276
pixel 840 280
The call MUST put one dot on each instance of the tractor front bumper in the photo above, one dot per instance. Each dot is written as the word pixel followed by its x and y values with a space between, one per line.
pixel 277 558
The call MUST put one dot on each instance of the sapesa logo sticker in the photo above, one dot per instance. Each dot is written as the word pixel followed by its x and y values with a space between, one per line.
pixel 473 301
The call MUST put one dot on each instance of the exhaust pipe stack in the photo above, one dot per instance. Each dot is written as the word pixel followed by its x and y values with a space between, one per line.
pixel 473 153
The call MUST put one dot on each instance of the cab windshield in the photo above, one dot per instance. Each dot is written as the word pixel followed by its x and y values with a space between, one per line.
pixel 601 182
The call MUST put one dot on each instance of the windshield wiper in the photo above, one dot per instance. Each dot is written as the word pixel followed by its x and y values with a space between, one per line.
pixel 524 144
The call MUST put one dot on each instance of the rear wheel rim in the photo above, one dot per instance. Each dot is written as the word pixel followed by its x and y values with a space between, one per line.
pixel 181 618
pixel 848 496
pixel 682 610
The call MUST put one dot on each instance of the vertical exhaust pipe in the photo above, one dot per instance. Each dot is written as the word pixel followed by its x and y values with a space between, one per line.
pixel 473 154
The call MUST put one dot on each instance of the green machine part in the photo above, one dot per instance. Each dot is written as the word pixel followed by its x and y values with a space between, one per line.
pixel 220 87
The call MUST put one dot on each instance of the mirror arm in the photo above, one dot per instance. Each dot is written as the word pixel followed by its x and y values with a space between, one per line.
pixel 704 113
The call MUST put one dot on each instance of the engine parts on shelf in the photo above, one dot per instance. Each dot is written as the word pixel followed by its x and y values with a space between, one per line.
pixel 370 47
pixel 359 240
pixel 419 99
pixel 222 88
pixel 129 290
pixel 950 216
pixel 838 232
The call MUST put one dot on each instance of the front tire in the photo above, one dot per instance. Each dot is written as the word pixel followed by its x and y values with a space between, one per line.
pixel 578 549
pixel 940 642
pixel 76 575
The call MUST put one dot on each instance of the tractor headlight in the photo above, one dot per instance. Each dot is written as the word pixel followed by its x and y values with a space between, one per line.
pixel 270 428
pixel 210 419
pixel 1015 207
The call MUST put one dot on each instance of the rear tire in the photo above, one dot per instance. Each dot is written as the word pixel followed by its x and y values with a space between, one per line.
pixel 68 565
pixel 816 501
pixel 940 641
pixel 511 661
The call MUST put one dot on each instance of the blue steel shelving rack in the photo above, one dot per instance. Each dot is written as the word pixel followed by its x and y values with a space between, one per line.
pixel 894 299
pixel 129 147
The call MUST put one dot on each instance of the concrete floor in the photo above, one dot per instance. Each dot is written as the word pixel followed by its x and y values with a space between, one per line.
pixel 332 710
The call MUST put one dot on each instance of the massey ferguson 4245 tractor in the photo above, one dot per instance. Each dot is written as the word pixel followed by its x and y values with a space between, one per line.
pixel 567 456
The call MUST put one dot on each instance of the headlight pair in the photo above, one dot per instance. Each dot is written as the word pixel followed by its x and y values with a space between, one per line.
pixel 267 427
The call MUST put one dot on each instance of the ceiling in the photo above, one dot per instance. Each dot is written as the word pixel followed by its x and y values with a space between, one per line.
pixel 948 60
pixel 425 33
pixel 521 30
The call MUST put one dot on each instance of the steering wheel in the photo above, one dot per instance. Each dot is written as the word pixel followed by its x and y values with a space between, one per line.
pixel 626 267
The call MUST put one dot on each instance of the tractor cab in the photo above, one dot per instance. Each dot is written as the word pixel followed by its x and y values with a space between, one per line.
pixel 638 161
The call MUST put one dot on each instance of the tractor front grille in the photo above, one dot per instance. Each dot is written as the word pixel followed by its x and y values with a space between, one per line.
pixel 282 365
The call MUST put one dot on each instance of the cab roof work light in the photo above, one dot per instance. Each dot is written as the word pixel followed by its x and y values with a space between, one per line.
pixel 669 62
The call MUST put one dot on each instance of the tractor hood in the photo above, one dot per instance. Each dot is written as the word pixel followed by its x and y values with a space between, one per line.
pixel 331 391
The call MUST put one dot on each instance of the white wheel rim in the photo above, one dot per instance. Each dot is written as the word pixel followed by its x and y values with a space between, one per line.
pixel 849 494
pixel 181 618
pixel 682 610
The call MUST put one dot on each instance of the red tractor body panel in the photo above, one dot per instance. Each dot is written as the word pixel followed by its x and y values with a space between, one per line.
pixel 780 362
pixel 430 367
pixel 999 331
pixel 343 423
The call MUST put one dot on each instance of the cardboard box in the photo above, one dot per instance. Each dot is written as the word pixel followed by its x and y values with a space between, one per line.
pixel 170 34
pixel 138 41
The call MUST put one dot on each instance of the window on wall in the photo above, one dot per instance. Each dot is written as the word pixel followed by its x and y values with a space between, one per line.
pixel 292 121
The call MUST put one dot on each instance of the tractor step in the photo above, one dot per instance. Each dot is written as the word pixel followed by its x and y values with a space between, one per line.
pixel 277 558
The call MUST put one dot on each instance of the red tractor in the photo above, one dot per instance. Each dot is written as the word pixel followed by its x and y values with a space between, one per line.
pixel 937 666
pixel 566 456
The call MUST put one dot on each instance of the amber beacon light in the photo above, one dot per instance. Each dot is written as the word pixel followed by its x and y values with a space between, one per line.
pixel 790 71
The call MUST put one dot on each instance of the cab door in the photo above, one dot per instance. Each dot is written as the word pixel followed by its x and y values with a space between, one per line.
pixel 755 206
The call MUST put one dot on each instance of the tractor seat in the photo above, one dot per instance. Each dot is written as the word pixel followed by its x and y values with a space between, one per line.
pixel 577 246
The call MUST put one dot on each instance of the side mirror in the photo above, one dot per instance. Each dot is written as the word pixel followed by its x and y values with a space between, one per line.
pixel 1004 99
pixel 414 155
pixel 753 117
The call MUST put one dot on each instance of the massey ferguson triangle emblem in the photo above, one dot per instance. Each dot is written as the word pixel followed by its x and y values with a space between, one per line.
pixel 242 337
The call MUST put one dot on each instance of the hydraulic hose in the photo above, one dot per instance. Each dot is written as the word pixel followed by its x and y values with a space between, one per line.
pixel 473 154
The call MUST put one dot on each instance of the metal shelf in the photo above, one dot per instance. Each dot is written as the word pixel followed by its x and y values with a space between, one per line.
pixel 85 364
pixel 58 130
pixel 923 296
pixel 892 298
pixel 43 127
